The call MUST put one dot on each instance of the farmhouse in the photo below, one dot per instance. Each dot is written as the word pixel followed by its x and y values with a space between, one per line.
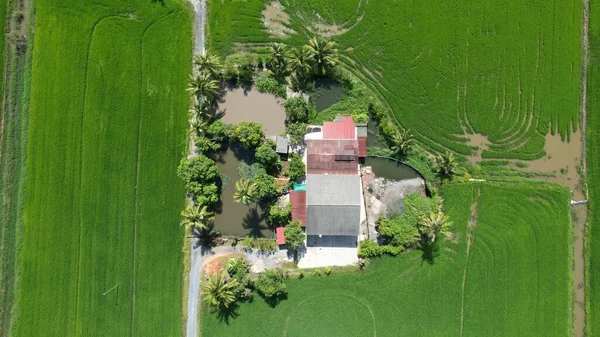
pixel 330 208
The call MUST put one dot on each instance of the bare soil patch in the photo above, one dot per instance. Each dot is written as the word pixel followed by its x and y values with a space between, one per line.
pixel 481 142
pixel 277 20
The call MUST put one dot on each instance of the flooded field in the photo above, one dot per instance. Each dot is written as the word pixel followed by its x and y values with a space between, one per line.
pixel 241 105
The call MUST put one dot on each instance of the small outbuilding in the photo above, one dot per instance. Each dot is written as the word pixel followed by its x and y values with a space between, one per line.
pixel 281 144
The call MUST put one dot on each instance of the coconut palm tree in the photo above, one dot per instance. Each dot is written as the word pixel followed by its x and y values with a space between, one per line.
pixel 197 217
pixel 323 54
pixel 446 165
pixel 278 61
pixel 199 126
pixel 209 64
pixel 402 142
pixel 245 192
pixel 204 87
pixel 299 61
pixel 219 291
pixel 203 111
pixel 433 224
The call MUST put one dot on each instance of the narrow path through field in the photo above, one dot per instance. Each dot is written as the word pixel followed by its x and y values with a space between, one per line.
pixel 470 227
pixel 198 253
pixel 581 210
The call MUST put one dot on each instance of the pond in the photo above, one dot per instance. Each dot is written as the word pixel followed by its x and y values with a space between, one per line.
pixel 234 218
pixel 391 169
pixel 245 105
pixel 327 93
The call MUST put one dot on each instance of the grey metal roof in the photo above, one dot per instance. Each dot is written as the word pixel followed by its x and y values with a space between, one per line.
pixel 336 190
pixel 333 220
pixel 281 144
pixel 361 130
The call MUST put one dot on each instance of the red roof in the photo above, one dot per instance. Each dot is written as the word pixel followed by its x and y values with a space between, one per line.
pixel 332 156
pixel 342 128
pixel 298 201
pixel 279 235
pixel 362 147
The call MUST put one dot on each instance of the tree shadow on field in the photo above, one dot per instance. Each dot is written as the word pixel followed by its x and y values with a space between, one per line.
pixel 226 314
pixel 430 250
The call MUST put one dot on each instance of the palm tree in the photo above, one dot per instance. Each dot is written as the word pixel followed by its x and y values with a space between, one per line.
pixel 446 165
pixel 323 55
pixel 245 192
pixel 435 223
pixel 204 87
pixel 202 111
pixel 197 217
pixel 299 61
pixel 219 291
pixel 277 62
pixel 402 142
pixel 209 64
pixel 199 126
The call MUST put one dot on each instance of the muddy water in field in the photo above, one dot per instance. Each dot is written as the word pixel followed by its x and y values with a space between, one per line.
pixel 245 105
pixel 479 141
pixel 253 106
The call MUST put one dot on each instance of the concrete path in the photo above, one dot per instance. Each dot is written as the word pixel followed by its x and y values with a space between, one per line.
pixel 198 253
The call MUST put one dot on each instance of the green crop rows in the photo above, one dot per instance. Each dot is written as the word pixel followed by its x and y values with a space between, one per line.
pixel 516 280
pixel 593 178
pixel 509 70
pixel 102 245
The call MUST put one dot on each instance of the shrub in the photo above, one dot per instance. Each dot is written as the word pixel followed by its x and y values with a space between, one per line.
pixel 205 145
pixel 266 245
pixel 297 170
pixel 247 242
pixel 268 84
pixel 368 248
pixel 279 216
pixel 219 132
pixel 296 110
pixel 317 272
pixel 271 285
pixel 249 134
pixel 200 174
pixel 296 132
pixel 249 172
pixel 398 231
pixel 301 274
pixel 328 271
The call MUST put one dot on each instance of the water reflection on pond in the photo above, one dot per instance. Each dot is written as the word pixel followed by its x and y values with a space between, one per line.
pixel 327 93
pixel 391 169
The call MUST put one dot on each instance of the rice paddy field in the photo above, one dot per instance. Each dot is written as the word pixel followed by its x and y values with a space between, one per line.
pixel 513 279
pixel 593 178
pixel 102 249
pixel 508 70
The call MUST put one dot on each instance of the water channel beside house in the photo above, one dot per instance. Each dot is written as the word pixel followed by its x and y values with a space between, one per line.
pixel 240 105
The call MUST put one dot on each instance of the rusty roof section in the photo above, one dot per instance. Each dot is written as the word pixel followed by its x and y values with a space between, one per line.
pixel 341 128
pixel 332 156
pixel 279 235
pixel 298 201
pixel 362 147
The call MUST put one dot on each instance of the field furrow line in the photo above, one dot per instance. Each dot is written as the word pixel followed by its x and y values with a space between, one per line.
pixel 470 227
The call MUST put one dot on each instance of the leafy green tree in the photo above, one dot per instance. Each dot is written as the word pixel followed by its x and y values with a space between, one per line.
pixel 279 216
pixel 446 165
pixel 294 237
pixel 296 110
pixel 249 134
pixel 402 142
pixel 249 172
pixel 218 291
pixel 278 59
pixel 209 64
pixel 205 145
pixel 219 132
pixel 435 223
pixel 245 192
pixel 297 170
pixel 199 174
pixel 323 55
pixel 197 216
pixel 203 87
pixel 398 231
pixel 238 269
pixel 271 285
pixel 296 132
pixel 266 155
pixel 266 187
